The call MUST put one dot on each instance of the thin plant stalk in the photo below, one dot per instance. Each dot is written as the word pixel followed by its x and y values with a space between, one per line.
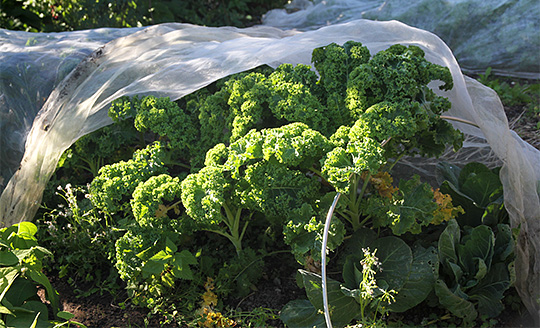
pixel 323 260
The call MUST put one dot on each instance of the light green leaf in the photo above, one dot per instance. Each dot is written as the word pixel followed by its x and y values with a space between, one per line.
pixel 5 310
pixel 27 228
pixel 161 257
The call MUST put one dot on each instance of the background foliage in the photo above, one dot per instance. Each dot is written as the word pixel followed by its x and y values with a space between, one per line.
pixel 69 15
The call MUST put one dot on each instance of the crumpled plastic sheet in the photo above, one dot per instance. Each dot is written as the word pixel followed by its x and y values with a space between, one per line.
pixel 502 34
pixel 176 59
pixel 31 65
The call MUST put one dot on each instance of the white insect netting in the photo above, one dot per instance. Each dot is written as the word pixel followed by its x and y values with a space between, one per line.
pixel 176 59
pixel 501 34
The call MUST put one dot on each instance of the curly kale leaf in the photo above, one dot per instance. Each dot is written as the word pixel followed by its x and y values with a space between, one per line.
pixel 304 234
pixel 154 198
pixel 292 145
pixel 359 155
pixel 165 118
pixel 293 97
pixel 275 190
pixel 412 207
pixel 239 105
pixel 334 64
pixel 208 199
pixel 111 190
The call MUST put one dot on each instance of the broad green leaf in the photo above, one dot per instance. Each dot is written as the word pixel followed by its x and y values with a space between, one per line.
pixel 65 315
pixel 302 314
pixel 27 228
pixel 482 269
pixel 450 172
pixel 170 246
pixel 52 294
pixel 43 250
pixel 21 290
pixel 456 271
pixel 396 259
pixel 489 292
pixel 352 275
pixel 361 238
pixel 186 257
pixel 37 307
pixel 343 308
pixel 473 214
pixel 4 310
pixel 7 258
pixel 420 280
pixel 7 277
pixel 479 244
pixel 448 242
pixel 504 243
pixel 161 257
pixel 152 268
pixel 482 188
pixel 471 170
pixel 454 303
pixel 26 318
pixel 181 262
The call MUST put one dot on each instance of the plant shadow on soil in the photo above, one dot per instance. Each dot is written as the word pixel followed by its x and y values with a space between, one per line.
pixel 275 289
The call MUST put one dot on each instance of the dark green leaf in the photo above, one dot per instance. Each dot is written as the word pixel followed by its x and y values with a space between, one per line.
pixel 504 243
pixel 65 315
pixel 21 290
pixel 301 314
pixel 478 245
pixel 396 260
pixel 152 268
pixel 448 242
pixel 420 280
pixel 450 172
pixel 482 188
pixel 343 308
pixel 52 294
pixel 489 292
pixel 454 303
pixel 7 277
pixel 7 258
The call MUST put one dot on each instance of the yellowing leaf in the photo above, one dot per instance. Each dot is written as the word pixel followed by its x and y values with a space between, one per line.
pixel 445 210
pixel 382 181
pixel 161 211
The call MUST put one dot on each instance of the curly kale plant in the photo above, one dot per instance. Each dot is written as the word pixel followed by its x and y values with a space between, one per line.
pixel 111 190
pixel 272 147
